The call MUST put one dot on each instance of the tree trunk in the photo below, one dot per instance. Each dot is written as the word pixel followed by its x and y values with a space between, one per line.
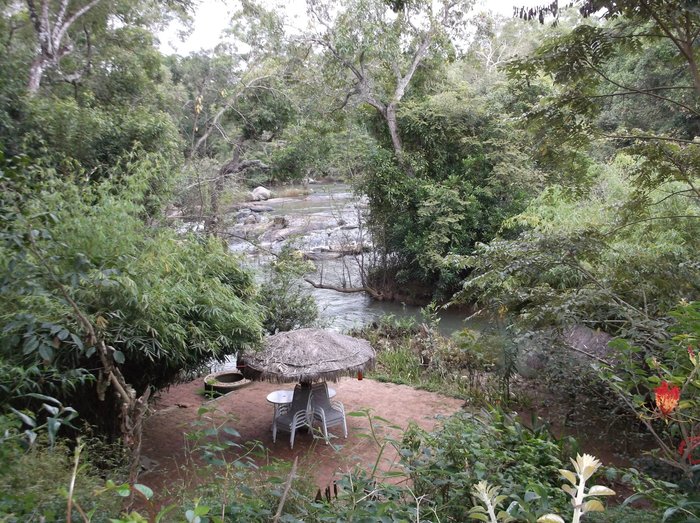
pixel 390 117
pixel 35 73
pixel 693 66
pixel 217 187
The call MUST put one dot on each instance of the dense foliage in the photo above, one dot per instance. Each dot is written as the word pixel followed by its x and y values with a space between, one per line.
pixel 470 175
pixel 545 174
pixel 165 304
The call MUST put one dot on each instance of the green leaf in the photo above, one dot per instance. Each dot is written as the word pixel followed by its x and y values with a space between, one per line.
pixel 118 357
pixel 164 512
pixel 43 397
pixel 143 489
pixel 30 345
pixel 46 352
pixel 27 420
pixel 31 436
pixel 531 496
pixel 52 426
pixel 669 512
pixel 51 409
pixel 232 432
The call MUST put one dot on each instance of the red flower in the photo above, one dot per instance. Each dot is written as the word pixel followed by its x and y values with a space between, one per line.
pixel 692 443
pixel 691 353
pixel 667 398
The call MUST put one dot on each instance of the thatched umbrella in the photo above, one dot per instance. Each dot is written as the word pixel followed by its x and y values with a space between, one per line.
pixel 308 355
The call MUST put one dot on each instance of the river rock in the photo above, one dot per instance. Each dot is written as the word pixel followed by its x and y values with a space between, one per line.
pixel 590 341
pixel 280 222
pixel 242 214
pixel 354 248
pixel 319 256
pixel 260 193
pixel 261 208
pixel 252 219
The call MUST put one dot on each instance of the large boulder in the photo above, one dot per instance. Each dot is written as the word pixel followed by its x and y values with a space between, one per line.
pixel 260 193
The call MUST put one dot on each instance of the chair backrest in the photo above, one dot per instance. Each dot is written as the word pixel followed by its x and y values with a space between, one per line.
pixel 300 399
pixel 320 395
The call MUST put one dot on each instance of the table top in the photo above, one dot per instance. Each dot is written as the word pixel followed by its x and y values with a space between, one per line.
pixel 280 397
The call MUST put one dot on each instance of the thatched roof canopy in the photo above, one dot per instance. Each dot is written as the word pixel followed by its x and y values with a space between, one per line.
pixel 308 355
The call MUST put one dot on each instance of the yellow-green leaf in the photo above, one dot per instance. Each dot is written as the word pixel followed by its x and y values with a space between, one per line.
pixel 600 490
pixel 550 518
pixel 568 475
pixel 593 506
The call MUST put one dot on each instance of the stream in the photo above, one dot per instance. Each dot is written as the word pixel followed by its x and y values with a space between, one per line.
pixel 326 226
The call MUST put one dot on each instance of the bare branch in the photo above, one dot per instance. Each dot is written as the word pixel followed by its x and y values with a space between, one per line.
pixel 346 290
pixel 651 219
pixel 68 23
pixel 646 92
pixel 648 137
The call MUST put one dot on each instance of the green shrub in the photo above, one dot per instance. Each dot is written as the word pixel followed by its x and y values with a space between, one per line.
pixel 467 366
pixel 166 304
pixel 286 302
pixel 34 482
pixel 446 465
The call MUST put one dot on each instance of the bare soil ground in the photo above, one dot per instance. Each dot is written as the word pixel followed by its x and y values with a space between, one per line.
pixel 164 443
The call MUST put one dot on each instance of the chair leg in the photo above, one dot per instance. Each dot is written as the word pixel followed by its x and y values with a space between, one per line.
pixel 291 438
pixel 325 433
pixel 345 427
pixel 274 431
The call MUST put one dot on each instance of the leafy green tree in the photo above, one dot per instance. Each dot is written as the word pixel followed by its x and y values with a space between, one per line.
pixel 471 174
pixel 576 261
pixel 64 31
pixel 120 102
pixel 584 65
pixel 238 103
pixel 99 301
pixel 380 47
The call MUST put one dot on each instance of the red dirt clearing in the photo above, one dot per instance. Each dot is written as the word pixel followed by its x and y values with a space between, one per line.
pixel 164 432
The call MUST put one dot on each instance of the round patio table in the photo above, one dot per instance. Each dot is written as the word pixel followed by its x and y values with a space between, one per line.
pixel 278 398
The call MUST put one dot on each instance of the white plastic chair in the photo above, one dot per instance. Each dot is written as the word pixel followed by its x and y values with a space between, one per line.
pixel 295 416
pixel 329 413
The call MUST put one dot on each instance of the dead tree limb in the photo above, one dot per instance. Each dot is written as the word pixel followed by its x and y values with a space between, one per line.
pixel 347 290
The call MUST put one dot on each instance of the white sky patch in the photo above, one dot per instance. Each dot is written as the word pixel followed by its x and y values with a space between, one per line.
pixel 212 17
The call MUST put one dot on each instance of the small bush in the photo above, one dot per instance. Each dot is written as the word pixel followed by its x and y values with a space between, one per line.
pixel 287 304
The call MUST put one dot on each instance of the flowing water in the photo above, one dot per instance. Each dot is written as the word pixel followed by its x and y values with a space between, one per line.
pixel 321 225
